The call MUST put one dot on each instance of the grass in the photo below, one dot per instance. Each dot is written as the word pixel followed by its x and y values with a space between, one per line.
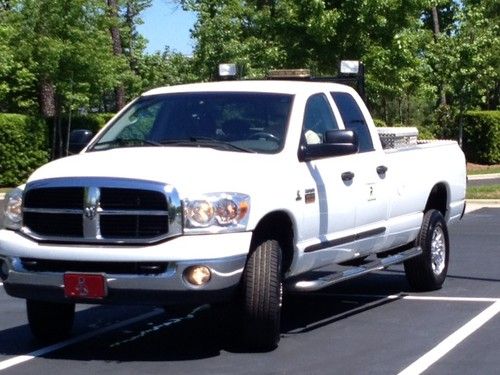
pixel 482 169
pixel 487 191
pixel 4 190
pixel 483 192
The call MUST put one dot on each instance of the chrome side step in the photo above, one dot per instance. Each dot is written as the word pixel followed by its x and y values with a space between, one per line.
pixel 309 285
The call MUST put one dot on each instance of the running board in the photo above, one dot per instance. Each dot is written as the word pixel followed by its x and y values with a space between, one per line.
pixel 309 285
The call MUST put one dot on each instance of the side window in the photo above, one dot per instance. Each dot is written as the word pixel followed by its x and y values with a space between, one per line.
pixel 353 119
pixel 318 118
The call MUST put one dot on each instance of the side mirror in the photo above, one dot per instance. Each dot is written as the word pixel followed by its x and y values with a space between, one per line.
pixel 336 143
pixel 78 139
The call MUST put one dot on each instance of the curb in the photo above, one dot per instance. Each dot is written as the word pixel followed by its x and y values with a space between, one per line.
pixel 477 204
pixel 484 202
pixel 490 176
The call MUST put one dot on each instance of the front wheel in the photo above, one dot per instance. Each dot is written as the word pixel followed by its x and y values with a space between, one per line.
pixel 428 271
pixel 262 297
pixel 50 321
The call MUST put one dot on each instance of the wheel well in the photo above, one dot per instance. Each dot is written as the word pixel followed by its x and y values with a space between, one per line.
pixel 438 199
pixel 277 226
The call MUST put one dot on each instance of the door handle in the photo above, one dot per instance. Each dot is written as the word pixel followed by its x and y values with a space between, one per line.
pixel 381 169
pixel 347 176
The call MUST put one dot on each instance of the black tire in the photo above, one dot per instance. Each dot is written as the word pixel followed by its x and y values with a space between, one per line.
pixel 428 271
pixel 50 321
pixel 262 297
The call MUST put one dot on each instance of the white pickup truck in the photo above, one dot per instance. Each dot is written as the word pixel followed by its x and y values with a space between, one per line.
pixel 228 192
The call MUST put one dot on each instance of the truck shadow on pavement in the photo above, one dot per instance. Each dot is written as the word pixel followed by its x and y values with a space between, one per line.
pixel 207 332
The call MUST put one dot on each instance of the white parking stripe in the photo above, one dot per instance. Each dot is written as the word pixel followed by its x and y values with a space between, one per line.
pixel 52 348
pixel 412 297
pixel 445 346
pixel 451 299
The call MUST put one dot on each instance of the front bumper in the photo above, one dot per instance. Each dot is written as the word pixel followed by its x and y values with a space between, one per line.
pixel 165 288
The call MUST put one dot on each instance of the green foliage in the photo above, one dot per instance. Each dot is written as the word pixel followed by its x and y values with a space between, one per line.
pixel 481 136
pixel 64 43
pixel 93 122
pixel 466 58
pixel 407 65
pixel 379 123
pixel 24 147
pixel 161 69
pixel 67 43
pixel 425 133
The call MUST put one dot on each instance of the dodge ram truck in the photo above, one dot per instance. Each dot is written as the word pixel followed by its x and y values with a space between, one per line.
pixel 230 193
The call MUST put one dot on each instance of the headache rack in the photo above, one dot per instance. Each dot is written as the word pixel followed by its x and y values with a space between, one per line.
pixel 351 73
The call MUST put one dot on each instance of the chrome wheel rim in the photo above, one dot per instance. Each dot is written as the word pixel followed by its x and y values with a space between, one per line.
pixel 438 250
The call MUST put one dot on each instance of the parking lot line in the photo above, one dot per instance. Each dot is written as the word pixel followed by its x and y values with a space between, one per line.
pixel 445 346
pixel 412 297
pixel 52 348
pixel 451 299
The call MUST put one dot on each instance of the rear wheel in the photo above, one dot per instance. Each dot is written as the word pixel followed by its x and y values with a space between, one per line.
pixel 50 321
pixel 262 297
pixel 428 270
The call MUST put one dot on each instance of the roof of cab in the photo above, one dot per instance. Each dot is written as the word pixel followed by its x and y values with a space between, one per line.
pixel 264 86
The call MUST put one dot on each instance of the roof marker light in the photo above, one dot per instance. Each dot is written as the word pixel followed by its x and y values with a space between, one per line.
pixel 227 70
pixel 349 67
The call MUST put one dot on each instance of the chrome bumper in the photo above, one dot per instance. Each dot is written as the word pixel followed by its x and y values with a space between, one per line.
pixel 166 288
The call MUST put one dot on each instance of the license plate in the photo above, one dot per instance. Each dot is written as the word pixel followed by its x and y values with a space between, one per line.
pixel 89 286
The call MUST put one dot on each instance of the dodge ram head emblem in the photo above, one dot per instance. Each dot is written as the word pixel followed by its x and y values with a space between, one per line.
pixel 90 212
pixel 92 201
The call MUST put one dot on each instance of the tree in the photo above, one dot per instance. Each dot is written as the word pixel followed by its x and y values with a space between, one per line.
pixel 116 42
pixel 466 58
pixel 261 35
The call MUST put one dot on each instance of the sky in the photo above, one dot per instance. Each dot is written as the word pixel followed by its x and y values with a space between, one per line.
pixel 166 24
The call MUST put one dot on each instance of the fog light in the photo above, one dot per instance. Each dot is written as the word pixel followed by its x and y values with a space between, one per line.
pixel 197 275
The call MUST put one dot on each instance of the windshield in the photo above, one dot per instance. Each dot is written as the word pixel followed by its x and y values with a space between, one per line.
pixel 246 122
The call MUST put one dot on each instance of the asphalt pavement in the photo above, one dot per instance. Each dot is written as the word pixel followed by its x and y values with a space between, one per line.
pixel 370 325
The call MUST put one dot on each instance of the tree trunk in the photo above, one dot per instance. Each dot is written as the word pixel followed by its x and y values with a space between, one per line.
pixel 437 31
pixel 47 97
pixel 435 23
pixel 5 5
pixel 117 50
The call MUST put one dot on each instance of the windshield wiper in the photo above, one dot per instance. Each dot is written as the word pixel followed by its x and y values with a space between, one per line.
pixel 206 142
pixel 121 142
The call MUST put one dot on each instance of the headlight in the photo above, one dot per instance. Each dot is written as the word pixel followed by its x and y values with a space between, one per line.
pixel 216 212
pixel 13 213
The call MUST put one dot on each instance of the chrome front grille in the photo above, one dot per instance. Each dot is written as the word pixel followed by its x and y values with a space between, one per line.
pixel 101 210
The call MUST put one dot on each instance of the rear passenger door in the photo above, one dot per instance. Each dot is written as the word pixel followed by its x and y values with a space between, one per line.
pixel 370 177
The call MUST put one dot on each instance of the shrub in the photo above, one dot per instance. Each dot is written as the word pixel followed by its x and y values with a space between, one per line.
pixel 93 122
pixel 425 133
pixel 26 141
pixel 481 137
pixel 24 147
pixel 379 123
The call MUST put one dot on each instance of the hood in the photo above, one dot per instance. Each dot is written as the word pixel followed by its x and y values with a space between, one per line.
pixel 190 170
